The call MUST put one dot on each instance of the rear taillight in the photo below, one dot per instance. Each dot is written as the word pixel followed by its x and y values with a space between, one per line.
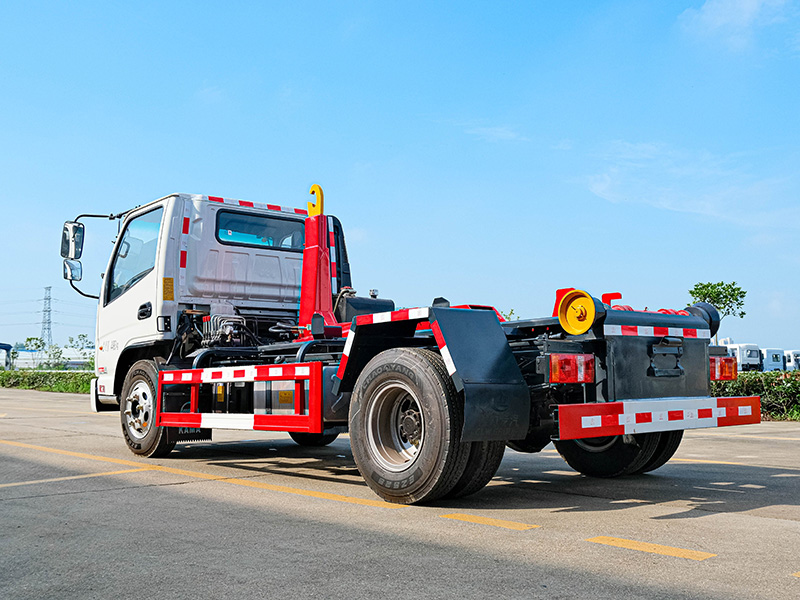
pixel 571 368
pixel 723 368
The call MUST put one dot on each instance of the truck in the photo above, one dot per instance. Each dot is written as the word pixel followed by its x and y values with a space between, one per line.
pixel 772 359
pixel 216 313
pixel 5 357
pixel 791 360
pixel 748 356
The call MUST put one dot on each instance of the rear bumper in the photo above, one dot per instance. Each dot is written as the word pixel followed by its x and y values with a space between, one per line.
pixel 576 421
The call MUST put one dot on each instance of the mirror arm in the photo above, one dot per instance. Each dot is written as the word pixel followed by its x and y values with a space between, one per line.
pixel 74 287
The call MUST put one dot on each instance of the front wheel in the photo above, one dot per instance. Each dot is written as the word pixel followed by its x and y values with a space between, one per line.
pixel 609 456
pixel 405 427
pixel 138 412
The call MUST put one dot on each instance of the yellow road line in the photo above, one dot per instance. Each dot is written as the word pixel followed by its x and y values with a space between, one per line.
pixel 200 475
pixel 493 522
pixel 651 548
pixel 796 574
pixel 54 479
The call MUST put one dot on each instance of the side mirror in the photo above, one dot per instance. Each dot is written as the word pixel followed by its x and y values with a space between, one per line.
pixel 73 270
pixel 72 241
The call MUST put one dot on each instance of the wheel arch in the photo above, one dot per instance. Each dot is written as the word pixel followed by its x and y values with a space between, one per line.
pixel 134 353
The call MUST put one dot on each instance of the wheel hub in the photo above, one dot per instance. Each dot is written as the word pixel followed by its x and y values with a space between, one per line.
pixel 395 426
pixel 139 410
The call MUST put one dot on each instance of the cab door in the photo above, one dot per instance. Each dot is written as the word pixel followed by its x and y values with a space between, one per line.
pixel 126 316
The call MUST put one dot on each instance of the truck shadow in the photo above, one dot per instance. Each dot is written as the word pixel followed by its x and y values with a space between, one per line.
pixel 540 481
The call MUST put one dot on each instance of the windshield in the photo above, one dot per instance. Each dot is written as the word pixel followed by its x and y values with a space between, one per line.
pixel 752 354
pixel 136 253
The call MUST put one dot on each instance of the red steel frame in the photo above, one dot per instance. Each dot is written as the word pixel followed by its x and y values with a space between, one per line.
pixel 309 421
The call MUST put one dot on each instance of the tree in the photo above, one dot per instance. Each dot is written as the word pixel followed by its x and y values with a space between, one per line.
pixel 727 298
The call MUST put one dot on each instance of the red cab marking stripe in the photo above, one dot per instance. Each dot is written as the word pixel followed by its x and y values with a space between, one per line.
pixel 300 211
pixel 183 259
pixel 705 413
pixel 245 203
pixel 690 333
pixel 630 330
pixel 400 315
pixel 675 415
pixel 239 373
pixel 216 375
pixel 185 225
pixel 644 417
pixel 273 207
pixel 660 330
pixel 216 199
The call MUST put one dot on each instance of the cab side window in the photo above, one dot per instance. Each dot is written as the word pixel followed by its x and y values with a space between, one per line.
pixel 135 256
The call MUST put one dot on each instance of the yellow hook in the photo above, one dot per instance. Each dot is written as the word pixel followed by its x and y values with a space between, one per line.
pixel 315 208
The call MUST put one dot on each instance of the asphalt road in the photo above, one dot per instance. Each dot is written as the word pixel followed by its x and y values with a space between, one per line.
pixel 255 516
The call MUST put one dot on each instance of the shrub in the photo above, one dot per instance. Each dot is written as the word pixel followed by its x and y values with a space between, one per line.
pixel 74 382
pixel 779 391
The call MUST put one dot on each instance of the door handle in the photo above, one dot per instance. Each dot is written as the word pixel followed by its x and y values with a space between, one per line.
pixel 145 310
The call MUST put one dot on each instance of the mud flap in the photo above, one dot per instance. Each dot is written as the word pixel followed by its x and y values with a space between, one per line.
pixel 479 359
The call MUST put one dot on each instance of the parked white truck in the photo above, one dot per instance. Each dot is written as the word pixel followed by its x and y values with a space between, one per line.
pixel 748 356
pixel 791 360
pixel 772 359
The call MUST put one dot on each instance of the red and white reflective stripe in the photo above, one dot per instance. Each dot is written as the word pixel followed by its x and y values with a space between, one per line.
pixel 184 244
pixel 332 254
pixel 407 314
pixel 246 422
pixel 576 421
pixel 248 204
pixel 647 331
pixel 233 374
pixel 348 345
pixel 445 351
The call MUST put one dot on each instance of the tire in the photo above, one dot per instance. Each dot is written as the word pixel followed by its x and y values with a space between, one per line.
pixel 405 427
pixel 482 463
pixel 137 412
pixel 667 446
pixel 313 439
pixel 608 456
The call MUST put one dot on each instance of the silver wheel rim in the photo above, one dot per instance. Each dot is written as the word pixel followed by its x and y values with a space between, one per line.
pixel 395 426
pixel 139 410
pixel 597 445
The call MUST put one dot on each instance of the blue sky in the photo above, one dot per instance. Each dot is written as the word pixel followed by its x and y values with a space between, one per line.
pixel 485 152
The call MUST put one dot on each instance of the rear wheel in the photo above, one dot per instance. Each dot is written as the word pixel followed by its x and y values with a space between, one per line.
pixel 483 461
pixel 667 446
pixel 138 412
pixel 313 439
pixel 609 456
pixel 405 427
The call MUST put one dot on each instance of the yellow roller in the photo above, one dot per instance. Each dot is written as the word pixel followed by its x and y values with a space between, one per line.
pixel 577 312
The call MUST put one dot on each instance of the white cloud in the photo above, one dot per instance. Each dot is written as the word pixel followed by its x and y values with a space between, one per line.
pixel 700 183
pixel 501 133
pixel 733 21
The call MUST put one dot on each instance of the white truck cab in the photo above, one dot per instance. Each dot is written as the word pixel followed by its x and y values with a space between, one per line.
pixel 747 356
pixel 772 359
pixel 189 254
pixel 791 360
